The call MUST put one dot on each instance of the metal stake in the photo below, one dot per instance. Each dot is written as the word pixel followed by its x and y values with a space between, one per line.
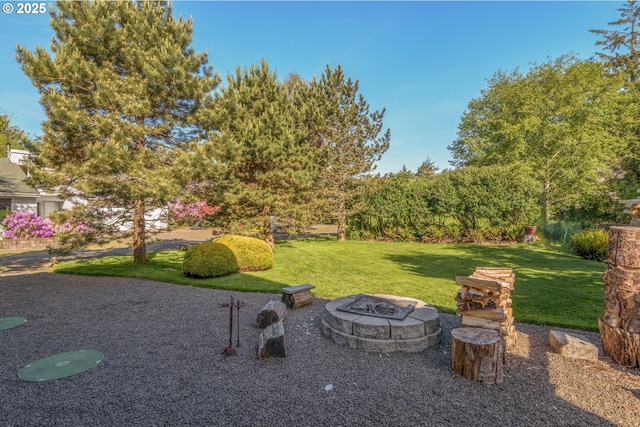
pixel 238 306
pixel 230 350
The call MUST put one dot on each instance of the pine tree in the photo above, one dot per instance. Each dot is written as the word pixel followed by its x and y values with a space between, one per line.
pixel 14 136
pixel 350 140
pixel 121 89
pixel 261 145
pixel 427 169
pixel 624 59
pixel 623 44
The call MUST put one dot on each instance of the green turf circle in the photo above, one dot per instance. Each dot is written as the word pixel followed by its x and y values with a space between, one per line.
pixel 61 365
pixel 11 322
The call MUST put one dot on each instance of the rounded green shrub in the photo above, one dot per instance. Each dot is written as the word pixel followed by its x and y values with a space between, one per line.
pixel 209 259
pixel 591 243
pixel 252 254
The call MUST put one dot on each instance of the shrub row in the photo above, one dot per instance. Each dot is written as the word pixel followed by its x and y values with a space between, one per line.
pixel 491 203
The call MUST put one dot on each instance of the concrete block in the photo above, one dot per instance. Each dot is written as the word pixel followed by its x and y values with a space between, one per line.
pixel 573 345
pixel 375 328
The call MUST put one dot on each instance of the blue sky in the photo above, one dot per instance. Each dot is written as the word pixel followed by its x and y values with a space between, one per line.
pixel 422 61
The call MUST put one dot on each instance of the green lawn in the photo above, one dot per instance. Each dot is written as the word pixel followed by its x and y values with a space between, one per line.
pixel 552 287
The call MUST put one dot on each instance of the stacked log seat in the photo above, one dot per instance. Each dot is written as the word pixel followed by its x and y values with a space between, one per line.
pixel 620 325
pixel 484 301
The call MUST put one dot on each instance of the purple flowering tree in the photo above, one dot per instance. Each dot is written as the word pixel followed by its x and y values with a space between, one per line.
pixel 26 225
pixel 191 212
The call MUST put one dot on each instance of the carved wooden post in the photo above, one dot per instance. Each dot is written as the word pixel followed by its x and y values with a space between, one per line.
pixel 620 325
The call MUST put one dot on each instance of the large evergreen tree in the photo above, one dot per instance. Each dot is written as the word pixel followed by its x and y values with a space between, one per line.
pixel 623 44
pixel 350 138
pixel 121 89
pixel 559 122
pixel 266 165
pixel 622 56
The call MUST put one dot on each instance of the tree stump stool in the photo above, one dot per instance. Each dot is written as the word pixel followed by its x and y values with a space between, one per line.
pixel 297 296
pixel 477 354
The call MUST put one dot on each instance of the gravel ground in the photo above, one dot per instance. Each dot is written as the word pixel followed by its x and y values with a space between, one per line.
pixel 163 367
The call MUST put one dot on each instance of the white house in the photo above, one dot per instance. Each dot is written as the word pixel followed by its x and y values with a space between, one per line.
pixel 17 196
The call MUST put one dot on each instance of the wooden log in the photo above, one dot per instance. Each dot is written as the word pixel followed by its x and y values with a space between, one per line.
pixel 474 282
pixel 477 322
pixel 297 296
pixel 624 246
pixel 272 312
pixel 503 272
pixel 477 354
pixel 479 304
pixel 298 300
pixel 506 329
pixel 496 314
pixel 509 281
pixel 620 345
pixel 472 293
pixel 272 342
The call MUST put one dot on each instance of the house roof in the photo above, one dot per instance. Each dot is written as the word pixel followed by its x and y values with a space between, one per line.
pixel 12 180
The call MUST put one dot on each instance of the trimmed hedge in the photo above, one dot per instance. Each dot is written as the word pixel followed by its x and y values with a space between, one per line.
pixel 252 254
pixel 209 259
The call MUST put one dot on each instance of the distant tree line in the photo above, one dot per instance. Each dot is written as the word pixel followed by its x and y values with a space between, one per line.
pixel 559 142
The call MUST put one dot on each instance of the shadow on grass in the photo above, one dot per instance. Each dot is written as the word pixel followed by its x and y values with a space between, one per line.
pixel 166 267
pixel 550 284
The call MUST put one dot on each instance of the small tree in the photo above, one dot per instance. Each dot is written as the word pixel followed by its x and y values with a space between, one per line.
pixel 427 169
pixel 266 163
pixel 350 141
pixel 121 89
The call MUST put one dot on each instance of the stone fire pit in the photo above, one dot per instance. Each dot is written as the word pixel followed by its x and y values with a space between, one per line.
pixel 363 321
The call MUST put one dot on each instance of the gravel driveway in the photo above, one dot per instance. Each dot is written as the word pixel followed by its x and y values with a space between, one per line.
pixel 163 367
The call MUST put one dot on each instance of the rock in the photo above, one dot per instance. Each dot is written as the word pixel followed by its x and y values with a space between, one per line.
pixel 572 345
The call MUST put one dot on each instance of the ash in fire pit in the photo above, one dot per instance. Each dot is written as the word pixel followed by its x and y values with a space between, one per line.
pixel 369 305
